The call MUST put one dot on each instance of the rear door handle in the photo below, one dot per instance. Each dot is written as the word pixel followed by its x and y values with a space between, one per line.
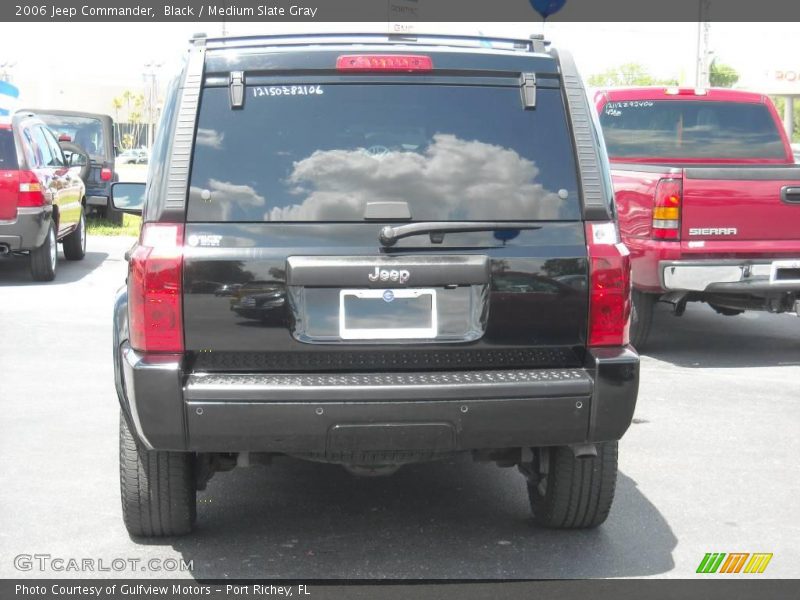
pixel 790 194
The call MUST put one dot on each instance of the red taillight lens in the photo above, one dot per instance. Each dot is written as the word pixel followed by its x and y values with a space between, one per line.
pixel 105 174
pixel 384 62
pixel 610 286
pixel 31 192
pixel 155 289
pixel 667 210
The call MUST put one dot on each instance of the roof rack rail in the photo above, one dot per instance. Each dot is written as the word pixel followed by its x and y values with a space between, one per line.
pixel 534 43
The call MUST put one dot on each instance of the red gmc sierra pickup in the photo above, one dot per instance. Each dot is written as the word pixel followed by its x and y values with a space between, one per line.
pixel 708 198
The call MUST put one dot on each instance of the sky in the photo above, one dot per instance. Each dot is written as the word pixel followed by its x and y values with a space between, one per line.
pixel 117 52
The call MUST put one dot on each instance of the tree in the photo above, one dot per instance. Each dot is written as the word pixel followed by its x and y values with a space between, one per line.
pixel 135 119
pixel 132 118
pixel 720 75
pixel 117 104
pixel 627 75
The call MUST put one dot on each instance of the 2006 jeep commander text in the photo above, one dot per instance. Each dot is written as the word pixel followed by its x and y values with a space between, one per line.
pixel 374 250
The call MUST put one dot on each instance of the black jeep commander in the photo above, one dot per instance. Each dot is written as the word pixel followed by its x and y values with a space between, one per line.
pixel 374 250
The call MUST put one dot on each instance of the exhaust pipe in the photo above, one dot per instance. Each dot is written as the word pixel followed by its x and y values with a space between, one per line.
pixel 584 450
pixel 4 250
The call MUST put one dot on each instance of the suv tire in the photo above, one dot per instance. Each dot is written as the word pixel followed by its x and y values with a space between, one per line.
pixel 114 216
pixel 157 488
pixel 642 306
pixel 75 243
pixel 571 492
pixel 44 259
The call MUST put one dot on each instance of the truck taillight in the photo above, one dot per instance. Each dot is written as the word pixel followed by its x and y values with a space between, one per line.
pixel 609 286
pixel 30 190
pixel 155 289
pixel 105 174
pixel 667 210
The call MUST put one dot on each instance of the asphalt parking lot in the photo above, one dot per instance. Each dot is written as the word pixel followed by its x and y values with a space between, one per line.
pixel 710 464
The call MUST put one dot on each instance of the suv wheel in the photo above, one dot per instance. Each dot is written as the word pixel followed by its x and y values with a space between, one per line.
pixel 45 258
pixel 642 306
pixel 157 488
pixel 567 492
pixel 114 216
pixel 75 242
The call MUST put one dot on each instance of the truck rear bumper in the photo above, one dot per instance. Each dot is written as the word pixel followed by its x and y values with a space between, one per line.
pixel 731 275
pixel 335 414
pixel 95 200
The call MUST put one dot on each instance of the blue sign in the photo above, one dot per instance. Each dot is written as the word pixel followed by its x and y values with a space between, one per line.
pixel 8 98
pixel 388 296
pixel 547 7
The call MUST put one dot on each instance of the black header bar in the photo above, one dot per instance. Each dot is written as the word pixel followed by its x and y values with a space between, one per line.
pixel 397 11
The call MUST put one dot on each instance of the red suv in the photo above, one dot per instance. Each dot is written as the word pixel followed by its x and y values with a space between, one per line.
pixel 41 197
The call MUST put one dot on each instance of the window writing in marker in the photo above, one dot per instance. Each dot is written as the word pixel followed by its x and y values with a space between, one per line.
pixel 287 90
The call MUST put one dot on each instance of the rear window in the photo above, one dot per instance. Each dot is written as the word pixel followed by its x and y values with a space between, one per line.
pixel 690 129
pixel 86 132
pixel 321 152
pixel 8 151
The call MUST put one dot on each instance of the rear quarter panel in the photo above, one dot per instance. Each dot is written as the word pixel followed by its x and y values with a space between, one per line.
pixel 634 191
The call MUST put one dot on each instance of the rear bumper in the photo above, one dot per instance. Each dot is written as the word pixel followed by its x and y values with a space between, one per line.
pixel 704 263
pixel 737 276
pixel 28 230
pixel 335 414
pixel 96 200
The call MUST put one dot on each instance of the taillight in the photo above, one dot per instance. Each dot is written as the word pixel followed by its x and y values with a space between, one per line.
pixel 667 210
pixel 384 62
pixel 609 286
pixel 155 289
pixel 31 192
pixel 105 174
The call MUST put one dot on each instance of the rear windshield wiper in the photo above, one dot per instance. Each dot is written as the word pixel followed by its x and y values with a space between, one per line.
pixel 389 234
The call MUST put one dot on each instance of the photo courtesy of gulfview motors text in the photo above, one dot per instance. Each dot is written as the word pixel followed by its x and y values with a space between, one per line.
pixel 299 296
pixel 250 590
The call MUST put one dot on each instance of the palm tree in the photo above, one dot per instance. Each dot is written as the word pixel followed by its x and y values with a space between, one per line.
pixel 135 119
pixel 127 97
pixel 117 104
pixel 138 103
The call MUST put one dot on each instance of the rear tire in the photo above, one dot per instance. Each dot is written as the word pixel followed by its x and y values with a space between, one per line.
pixel 641 318
pixel 75 243
pixel 44 259
pixel 572 493
pixel 157 488
pixel 114 216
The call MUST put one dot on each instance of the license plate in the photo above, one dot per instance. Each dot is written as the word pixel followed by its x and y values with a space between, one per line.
pixel 387 314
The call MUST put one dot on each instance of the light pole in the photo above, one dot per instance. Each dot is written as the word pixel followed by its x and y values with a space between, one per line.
pixel 703 31
pixel 151 77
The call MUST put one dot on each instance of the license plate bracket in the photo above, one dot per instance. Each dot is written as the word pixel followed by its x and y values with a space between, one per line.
pixel 388 314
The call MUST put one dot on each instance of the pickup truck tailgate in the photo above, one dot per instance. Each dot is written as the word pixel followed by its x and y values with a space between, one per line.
pixel 741 203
